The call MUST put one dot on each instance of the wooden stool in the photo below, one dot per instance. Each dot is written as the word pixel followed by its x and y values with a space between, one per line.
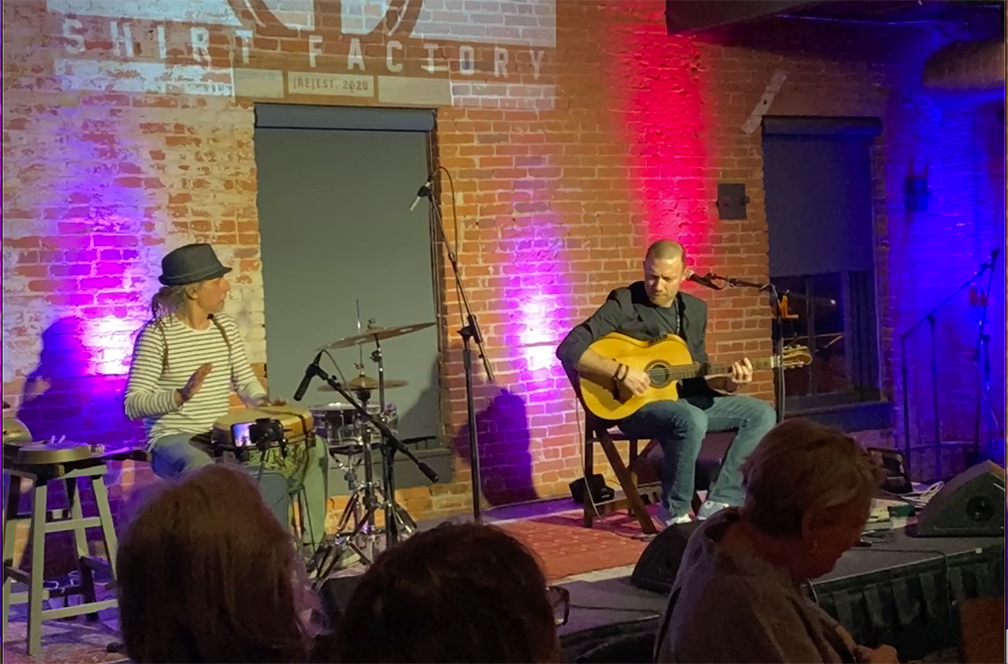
pixel 42 464
pixel 596 431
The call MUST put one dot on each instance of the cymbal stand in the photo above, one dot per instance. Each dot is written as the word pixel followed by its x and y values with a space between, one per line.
pixel 396 517
pixel 390 438
pixel 390 441
pixel 370 497
pixel 328 555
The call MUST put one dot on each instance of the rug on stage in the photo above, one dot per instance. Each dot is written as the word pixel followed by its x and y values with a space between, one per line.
pixel 563 545
pixel 567 548
pixel 63 642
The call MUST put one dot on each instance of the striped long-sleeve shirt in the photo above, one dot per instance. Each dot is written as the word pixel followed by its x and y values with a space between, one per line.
pixel 164 358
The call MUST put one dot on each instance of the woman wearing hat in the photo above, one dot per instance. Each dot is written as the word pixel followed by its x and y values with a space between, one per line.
pixel 186 362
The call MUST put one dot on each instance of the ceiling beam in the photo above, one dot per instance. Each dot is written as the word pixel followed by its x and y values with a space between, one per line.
pixel 686 17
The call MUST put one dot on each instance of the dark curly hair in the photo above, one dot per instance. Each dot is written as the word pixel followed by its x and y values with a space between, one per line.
pixel 457 593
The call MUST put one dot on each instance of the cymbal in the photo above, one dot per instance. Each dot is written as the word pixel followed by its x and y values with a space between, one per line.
pixel 367 383
pixel 377 334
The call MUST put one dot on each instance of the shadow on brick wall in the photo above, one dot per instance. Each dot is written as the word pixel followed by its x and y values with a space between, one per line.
pixel 504 441
pixel 62 398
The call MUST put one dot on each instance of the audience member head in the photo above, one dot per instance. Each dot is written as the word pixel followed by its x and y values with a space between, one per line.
pixel 457 593
pixel 206 573
pixel 809 489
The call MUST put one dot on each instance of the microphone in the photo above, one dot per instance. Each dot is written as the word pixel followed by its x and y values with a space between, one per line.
pixel 308 375
pixel 706 280
pixel 422 192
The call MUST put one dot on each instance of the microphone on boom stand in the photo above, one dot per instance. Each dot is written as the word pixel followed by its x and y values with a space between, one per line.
pixel 707 280
pixel 470 333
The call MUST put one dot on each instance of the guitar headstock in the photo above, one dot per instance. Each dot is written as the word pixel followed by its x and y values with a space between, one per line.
pixel 796 356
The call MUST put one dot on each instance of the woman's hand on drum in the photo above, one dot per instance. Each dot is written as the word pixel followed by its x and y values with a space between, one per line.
pixel 266 401
pixel 193 385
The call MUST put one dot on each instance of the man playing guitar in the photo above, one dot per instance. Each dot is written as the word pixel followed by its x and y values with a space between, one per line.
pixel 186 361
pixel 650 310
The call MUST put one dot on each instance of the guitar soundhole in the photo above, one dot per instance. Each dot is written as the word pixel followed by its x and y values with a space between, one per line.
pixel 659 374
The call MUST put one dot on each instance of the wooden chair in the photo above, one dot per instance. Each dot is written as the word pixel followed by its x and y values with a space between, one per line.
pixel 596 431
pixel 708 464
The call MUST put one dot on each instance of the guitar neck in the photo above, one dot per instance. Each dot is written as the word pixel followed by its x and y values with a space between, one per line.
pixel 718 368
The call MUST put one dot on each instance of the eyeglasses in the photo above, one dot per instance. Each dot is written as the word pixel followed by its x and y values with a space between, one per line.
pixel 559 599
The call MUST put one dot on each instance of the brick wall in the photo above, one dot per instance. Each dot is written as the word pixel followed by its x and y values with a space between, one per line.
pixel 576 132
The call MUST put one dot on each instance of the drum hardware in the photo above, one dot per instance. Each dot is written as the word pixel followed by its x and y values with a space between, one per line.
pixel 418 439
pixel 397 520
pixel 341 426
pixel 470 332
pixel 394 518
pixel 367 383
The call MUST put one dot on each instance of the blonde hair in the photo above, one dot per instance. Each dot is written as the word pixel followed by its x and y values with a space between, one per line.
pixel 170 300
pixel 799 467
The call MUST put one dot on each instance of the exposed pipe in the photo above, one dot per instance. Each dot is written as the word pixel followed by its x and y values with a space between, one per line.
pixel 854 21
pixel 967 66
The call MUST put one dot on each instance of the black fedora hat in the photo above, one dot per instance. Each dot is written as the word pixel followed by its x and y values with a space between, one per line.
pixel 191 264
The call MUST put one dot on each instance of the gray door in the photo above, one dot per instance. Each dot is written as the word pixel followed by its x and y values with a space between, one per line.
pixel 335 225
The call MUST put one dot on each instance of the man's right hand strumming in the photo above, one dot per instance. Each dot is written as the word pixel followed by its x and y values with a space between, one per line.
pixel 636 382
pixel 192 385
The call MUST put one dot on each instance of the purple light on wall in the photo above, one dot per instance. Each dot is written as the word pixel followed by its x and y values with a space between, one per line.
pixel 536 292
pixel 538 331
pixel 109 342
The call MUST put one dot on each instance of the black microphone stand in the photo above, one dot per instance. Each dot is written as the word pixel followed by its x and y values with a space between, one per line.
pixel 932 321
pixel 470 332
pixel 777 333
pixel 983 361
pixel 392 445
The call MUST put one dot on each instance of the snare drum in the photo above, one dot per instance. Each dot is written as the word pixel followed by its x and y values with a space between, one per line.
pixel 235 430
pixel 343 427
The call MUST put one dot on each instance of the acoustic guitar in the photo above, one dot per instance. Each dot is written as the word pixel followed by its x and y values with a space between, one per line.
pixel 666 362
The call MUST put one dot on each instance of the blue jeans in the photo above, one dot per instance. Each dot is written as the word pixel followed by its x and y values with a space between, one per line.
pixel 175 455
pixel 680 428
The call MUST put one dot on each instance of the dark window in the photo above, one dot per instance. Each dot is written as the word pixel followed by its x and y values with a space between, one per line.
pixel 833 315
pixel 817 174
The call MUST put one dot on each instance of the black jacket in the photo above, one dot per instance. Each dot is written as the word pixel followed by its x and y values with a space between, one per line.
pixel 626 311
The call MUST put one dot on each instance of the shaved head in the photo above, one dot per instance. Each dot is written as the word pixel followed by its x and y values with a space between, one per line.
pixel 665 250
pixel 664 271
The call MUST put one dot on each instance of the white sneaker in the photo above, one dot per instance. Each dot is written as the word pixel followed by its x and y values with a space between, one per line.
pixel 709 509
pixel 666 518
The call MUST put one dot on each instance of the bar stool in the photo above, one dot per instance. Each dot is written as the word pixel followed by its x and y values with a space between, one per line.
pixel 43 464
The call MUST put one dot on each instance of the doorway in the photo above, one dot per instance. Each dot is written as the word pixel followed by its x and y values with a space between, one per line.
pixel 335 187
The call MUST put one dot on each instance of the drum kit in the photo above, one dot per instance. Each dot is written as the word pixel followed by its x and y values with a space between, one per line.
pixel 354 429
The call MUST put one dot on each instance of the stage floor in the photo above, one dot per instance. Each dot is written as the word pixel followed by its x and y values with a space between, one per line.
pixel 595 565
